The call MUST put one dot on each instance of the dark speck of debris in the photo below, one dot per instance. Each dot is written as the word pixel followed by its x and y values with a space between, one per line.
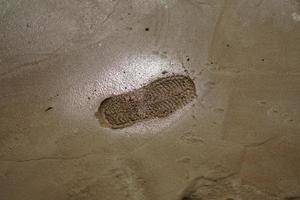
pixel 28 25
pixel 129 13
pixel 164 72
pixel 211 62
pixel 129 28
pixel 95 90
pixel 124 72
pixel 263 59
pixel 125 88
pixel 49 108
pixel 186 71
pixel 147 29
pixel 188 59
pixel 227 45
pixel 89 98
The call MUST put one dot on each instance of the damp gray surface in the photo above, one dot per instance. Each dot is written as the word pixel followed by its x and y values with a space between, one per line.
pixel 238 139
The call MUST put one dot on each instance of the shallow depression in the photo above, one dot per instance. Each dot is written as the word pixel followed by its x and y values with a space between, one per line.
pixel 158 99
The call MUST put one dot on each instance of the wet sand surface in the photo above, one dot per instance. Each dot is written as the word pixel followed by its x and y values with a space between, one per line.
pixel 238 139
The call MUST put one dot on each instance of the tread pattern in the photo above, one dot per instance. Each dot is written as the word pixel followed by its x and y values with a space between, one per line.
pixel 158 99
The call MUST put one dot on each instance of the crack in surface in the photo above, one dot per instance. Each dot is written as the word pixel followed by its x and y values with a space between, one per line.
pixel 199 4
pixel 49 158
pixel 258 144
pixel 111 12
pixel 218 24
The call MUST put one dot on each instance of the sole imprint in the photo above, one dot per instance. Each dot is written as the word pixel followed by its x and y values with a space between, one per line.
pixel 158 99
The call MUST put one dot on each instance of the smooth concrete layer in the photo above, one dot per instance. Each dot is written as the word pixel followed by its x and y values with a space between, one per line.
pixel 239 139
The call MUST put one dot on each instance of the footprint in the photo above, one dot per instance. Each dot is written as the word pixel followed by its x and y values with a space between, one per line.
pixel 158 99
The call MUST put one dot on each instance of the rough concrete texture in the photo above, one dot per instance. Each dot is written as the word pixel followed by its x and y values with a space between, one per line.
pixel 239 138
